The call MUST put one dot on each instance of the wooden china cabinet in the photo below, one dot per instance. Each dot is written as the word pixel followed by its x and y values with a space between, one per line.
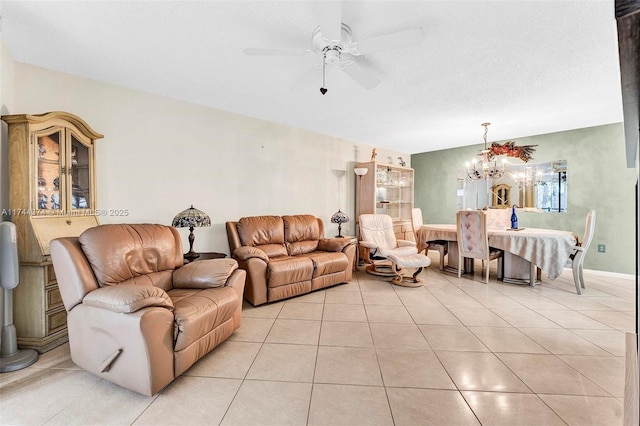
pixel 52 193
pixel 387 189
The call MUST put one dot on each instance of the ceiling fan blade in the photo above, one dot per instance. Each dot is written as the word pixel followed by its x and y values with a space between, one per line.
pixel 359 74
pixel 330 19
pixel 397 40
pixel 257 51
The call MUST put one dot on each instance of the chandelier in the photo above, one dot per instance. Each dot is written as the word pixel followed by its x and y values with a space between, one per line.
pixel 484 169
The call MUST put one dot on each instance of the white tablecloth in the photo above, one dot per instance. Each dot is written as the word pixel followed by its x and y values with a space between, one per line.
pixel 548 249
pixel 437 232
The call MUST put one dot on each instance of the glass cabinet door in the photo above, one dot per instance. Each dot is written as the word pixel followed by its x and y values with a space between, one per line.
pixel 394 191
pixel 49 160
pixel 405 193
pixel 80 174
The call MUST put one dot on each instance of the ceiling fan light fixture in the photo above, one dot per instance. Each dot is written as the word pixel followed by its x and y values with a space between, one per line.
pixel 332 55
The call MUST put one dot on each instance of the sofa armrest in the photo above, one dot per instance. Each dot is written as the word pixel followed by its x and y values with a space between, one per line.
pixel 237 282
pixel 245 253
pixel 126 299
pixel 333 244
pixel 405 243
pixel 207 273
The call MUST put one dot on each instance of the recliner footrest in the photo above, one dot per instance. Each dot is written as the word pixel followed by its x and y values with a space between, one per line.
pixel 417 261
pixel 411 260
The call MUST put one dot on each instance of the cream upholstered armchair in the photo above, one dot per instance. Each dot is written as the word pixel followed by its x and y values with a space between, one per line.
pixel 136 316
pixel 473 241
pixel 386 255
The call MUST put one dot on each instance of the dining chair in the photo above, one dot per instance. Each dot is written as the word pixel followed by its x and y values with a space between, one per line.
pixel 580 250
pixel 473 241
pixel 440 246
pixel 498 218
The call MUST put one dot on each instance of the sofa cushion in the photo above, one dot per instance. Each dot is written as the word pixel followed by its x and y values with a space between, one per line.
pixel 287 270
pixel 197 312
pixel 273 250
pixel 302 233
pixel 120 252
pixel 260 230
pixel 328 262
pixel 162 279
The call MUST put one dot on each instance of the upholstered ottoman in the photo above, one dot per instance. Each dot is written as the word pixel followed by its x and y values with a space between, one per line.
pixel 416 260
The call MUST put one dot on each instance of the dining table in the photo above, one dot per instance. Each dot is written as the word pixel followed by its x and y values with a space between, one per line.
pixel 525 250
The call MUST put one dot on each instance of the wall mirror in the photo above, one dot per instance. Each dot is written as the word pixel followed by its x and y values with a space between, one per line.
pixel 540 187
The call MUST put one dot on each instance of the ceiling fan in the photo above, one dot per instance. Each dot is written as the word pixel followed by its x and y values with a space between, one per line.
pixel 332 41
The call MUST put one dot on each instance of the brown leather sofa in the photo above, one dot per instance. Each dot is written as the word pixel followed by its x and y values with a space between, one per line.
pixel 136 316
pixel 286 256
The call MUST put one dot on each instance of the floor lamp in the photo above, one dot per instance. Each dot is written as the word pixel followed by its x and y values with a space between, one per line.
pixel 359 171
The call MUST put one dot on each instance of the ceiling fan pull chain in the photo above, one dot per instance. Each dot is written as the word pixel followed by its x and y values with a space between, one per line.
pixel 323 90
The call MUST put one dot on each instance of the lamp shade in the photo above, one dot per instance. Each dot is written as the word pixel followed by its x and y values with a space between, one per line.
pixel 339 217
pixel 360 171
pixel 191 218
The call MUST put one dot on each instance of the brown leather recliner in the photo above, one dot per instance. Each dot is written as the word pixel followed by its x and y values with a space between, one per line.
pixel 286 256
pixel 136 316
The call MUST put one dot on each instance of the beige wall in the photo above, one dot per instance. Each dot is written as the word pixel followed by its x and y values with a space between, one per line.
pixel 160 155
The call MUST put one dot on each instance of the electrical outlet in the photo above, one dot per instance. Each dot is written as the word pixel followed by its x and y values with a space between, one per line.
pixel 602 248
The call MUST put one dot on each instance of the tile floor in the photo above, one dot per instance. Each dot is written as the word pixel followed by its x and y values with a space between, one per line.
pixel 454 352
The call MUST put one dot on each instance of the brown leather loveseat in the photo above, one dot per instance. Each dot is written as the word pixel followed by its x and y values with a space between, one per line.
pixel 286 256
pixel 136 316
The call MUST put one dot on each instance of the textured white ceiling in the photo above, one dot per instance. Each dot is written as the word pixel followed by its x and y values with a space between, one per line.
pixel 527 67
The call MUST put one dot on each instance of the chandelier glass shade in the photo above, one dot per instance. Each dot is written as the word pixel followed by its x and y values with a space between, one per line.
pixel 485 168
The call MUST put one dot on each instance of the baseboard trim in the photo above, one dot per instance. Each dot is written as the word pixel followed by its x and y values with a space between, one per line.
pixel 609 274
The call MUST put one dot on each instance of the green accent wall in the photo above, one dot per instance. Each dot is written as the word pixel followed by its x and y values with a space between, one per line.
pixel 597 178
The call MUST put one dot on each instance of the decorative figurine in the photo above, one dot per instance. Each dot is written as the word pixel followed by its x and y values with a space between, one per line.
pixel 55 201
pixel 42 201
pixel 41 151
pixel 78 200
pixel 373 155
pixel 402 162
pixel 42 183
pixel 56 182
pixel 74 152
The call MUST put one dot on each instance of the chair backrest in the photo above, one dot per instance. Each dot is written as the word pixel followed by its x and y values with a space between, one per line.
pixel 144 254
pixel 378 229
pixel 472 234
pixel 498 218
pixel 589 230
pixel 416 224
pixel 416 220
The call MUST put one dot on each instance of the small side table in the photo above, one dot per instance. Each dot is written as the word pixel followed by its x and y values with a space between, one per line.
pixel 207 255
